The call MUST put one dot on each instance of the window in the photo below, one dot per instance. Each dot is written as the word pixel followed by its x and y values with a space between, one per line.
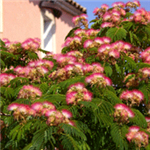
pixel 48 31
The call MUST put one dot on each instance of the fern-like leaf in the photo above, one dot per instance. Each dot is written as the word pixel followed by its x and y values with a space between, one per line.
pixel 71 33
pixel 108 69
pixel 116 34
pixel 18 81
pixel 38 139
pixel 112 97
pixel 144 89
pixel 68 142
pixel 73 131
pixel 119 137
pixel 139 119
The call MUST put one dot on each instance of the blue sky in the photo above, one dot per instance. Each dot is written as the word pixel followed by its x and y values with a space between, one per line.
pixel 91 4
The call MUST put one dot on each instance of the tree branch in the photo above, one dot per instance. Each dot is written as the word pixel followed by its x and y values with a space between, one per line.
pixel 3 114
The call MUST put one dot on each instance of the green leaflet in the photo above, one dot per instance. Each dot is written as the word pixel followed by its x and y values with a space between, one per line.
pixel 54 97
pixel 148 147
pixel 96 24
pixel 73 131
pixel 32 55
pixel 139 119
pixel 18 81
pixel 2 43
pixel 28 147
pixel 2 63
pixel 48 134
pixel 104 119
pixel 102 32
pixel 64 85
pixel 68 142
pixel 38 139
pixel 143 65
pixel 68 82
pixel 116 34
pixel 128 14
pixel 117 68
pixel 119 137
pixel 144 89
pixel 71 33
pixel 44 88
pixel 23 101
pixel 112 97
pixel 108 70
pixel 9 92
pixel 128 25
pixel 130 62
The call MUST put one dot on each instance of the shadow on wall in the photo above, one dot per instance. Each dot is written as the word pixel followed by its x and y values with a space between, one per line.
pixel 65 17
pixel 68 19
pixel 35 2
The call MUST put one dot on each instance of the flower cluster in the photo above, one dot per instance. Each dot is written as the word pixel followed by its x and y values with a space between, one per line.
pixel 134 79
pixel 122 113
pixel 110 52
pixel 64 59
pixel 141 16
pixel 6 78
pixel 145 55
pixel 72 64
pixel 140 138
pixel 144 73
pixel 38 63
pixel 76 93
pixel 113 17
pixel 86 33
pixel 38 109
pixel 148 123
pixel 98 41
pixel 133 4
pixel 55 117
pixel 106 51
pixel 29 44
pixel 73 42
pixel 34 70
pixel 12 47
pixel 131 80
pixel 133 97
pixel 80 20
pixel 29 92
pixel 98 79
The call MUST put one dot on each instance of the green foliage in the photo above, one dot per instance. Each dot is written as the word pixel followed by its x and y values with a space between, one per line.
pixel 112 97
pixel 71 32
pixel 96 24
pixel 108 69
pixel 102 32
pixel 117 134
pixel 89 121
pixel 116 34
pixel 139 119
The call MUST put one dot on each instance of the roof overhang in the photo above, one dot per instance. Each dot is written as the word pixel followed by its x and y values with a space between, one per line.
pixel 57 6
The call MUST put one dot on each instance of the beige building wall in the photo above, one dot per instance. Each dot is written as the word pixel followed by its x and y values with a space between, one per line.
pixel 63 26
pixel 22 19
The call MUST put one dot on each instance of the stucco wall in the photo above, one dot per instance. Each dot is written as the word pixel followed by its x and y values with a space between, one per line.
pixel 63 26
pixel 21 20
